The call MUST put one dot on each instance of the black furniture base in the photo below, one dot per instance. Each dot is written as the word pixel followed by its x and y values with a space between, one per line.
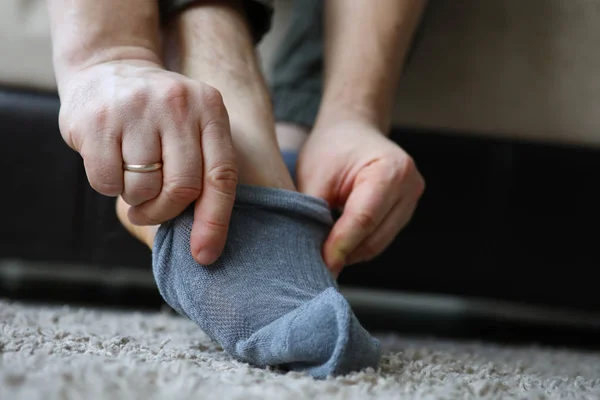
pixel 499 219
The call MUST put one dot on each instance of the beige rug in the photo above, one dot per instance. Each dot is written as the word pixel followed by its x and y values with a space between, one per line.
pixel 71 353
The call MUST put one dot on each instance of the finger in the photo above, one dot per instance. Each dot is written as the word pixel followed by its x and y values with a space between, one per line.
pixel 141 145
pixel 364 210
pixel 181 156
pixel 398 217
pixel 384 235
pixel 182 178
pixel 214 207
pixel 101 153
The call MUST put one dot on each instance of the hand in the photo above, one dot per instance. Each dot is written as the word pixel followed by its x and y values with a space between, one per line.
pixel 135 112
pixel 350 164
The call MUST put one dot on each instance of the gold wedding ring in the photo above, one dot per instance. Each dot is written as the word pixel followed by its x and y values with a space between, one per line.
pixel 142 167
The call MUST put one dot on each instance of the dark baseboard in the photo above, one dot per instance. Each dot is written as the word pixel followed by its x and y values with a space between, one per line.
pixel 500 219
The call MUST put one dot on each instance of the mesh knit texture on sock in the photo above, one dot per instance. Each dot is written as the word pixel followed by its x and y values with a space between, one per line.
pixel 269 299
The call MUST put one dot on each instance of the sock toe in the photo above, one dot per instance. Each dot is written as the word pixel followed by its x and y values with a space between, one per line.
pixel 269 299
pixel 328 339
pixel 322 337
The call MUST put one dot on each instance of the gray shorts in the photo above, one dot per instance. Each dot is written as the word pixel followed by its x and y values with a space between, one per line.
pixel 296 78
pixel 259 12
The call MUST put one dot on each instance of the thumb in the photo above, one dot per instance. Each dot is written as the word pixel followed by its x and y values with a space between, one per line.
pixel 369 201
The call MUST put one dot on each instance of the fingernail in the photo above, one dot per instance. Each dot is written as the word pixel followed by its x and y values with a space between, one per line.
pixel 207 256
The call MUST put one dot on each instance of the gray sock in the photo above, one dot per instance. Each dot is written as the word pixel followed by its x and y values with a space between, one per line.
pixel 269 299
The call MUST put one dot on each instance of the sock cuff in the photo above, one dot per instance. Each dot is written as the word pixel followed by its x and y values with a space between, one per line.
pixel 285 200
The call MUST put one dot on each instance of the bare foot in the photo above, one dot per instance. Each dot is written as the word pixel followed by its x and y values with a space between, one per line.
pixel 144 234
pixel 290 136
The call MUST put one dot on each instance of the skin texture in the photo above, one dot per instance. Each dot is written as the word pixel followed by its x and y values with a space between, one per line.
pixel 211 43
pixel 120 104
pixel 347 159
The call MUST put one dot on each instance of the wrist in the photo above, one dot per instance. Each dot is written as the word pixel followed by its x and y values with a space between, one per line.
pixel 69 63
pixel 335 111
pixel 89 32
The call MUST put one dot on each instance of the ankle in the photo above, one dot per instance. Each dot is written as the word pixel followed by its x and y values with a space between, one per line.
pixel 144 234
pixel 260 164
pixel 290 136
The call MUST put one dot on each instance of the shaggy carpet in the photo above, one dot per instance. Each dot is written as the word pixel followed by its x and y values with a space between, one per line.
pixel 78 353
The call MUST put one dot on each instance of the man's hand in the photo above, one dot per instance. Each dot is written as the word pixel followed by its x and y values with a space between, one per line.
pixel 350 164
pixel 348 160
pixel 135 112
pixel 119 105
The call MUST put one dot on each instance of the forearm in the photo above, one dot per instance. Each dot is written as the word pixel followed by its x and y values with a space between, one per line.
pixel 86 32
pixel 366 43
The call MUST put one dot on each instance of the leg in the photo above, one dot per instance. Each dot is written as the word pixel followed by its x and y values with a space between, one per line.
pixel 269 300
pixel 290 136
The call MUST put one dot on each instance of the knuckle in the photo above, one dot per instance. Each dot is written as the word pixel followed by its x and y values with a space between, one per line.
pixel 215 225
pixel 212 97
pixel 410 172
pixel 100 126
pixel 144 193
pixel 143 217
pixel 133 97
pixel 68 131
pixel 64 118
pixel 183 194
pixel 100 116
pixel 410 167
pixel 106 187
pixel 215 118
pixel 365 221
pixel 69 127
pixel 183 190
pixel 177 89
pixel 212 100
pixel 176 98
pixel 401 166
pixel 223 178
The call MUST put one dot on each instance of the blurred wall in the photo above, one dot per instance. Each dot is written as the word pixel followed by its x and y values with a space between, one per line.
pixel 511 68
